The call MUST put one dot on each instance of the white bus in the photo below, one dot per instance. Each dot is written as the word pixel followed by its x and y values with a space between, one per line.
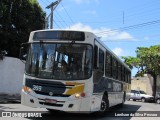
pixel 72 71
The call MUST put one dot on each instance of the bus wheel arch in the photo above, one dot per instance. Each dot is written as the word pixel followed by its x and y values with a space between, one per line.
pixel 106 94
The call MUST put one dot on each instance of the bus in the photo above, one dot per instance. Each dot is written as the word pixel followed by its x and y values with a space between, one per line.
pixel 72 71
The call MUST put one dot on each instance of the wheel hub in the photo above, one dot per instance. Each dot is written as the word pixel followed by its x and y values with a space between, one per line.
pixel 103 106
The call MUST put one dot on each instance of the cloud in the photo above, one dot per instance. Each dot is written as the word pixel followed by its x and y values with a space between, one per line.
pixel 118 51
pixel 110 35
pixel 118 35
pixel 85 1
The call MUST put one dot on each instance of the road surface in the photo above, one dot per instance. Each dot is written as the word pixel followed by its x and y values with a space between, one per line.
pixel 117 113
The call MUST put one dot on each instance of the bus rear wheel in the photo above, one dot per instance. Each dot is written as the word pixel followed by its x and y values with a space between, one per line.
pixel 104 105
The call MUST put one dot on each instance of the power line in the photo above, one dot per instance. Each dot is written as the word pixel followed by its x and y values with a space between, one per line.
pixel 67 13
pixel 44 2
pixel 48 1
pixel 58 19
pixel 61 18
pixel 57 24
pixel 131 27
pixel 151 41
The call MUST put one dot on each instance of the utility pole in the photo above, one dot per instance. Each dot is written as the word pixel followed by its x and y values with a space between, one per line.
pixel 53 5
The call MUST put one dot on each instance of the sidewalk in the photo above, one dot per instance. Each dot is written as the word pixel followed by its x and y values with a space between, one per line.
pixel 6 99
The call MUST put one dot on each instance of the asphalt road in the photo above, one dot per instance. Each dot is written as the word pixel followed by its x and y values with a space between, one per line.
pixel 138 109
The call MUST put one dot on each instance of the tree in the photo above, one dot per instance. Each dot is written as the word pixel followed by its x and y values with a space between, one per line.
pixel 147 61
pixel 17 19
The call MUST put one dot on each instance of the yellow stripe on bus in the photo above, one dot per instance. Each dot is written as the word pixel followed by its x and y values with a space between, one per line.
pixel 76 89
pixel 73 83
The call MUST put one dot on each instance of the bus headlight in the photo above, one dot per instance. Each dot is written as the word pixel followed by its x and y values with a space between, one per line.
pixel 27 89
pixel 78 95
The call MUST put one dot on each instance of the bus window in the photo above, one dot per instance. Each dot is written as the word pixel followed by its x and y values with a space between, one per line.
pixel 122 73
pixel 108 64
pixel 126 76
pixel 95 56
pixel 115 70
pixel 101 60
pixel 129 77
pixel 119 71
pixel 99 71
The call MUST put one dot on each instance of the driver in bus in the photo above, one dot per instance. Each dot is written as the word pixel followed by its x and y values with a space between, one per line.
pixel 64 66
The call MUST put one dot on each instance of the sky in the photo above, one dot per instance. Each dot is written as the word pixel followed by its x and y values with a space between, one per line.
pixel 123 25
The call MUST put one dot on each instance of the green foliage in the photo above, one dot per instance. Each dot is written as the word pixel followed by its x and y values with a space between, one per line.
pixel 132 61
pixel 17 19
pixel 147 60
pixel 150 59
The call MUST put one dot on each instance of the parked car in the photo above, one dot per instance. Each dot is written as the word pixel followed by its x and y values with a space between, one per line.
pixel 140 95
pixel 158 98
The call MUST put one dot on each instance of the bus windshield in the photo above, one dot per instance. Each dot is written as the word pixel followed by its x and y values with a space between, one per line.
pixel 59 61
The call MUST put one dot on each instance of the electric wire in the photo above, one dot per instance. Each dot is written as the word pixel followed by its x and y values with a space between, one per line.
pixel 67 13
pixel 57 24
pixel 131 27
pixel 44 2
pixel 61 18
pixel 58 19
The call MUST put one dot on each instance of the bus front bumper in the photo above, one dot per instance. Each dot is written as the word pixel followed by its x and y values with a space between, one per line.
pixel 67 104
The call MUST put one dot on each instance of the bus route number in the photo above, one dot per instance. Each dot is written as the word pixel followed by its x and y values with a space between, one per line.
pixel 37 88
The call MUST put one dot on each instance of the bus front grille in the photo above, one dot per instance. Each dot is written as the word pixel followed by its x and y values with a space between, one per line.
pixel 51 104
pixel 48 88
pixel 55 95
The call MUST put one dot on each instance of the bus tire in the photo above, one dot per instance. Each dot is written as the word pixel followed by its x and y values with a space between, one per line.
pixel 104 105
pixel 52 111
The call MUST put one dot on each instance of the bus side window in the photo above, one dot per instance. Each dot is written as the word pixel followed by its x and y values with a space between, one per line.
pixel 101 60
pixel 95 57
pixel 119 71
pixel 108 65
pixel 115 68
pixel 99 65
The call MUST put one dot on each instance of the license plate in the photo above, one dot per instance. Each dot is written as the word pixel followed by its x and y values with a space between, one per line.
pixel 50 101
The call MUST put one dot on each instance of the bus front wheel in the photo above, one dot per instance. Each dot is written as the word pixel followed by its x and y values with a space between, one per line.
pixel 52 111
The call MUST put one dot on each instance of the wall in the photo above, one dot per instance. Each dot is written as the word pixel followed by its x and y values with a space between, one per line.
pixel 11 76
pixel 142 83
pixel 158 82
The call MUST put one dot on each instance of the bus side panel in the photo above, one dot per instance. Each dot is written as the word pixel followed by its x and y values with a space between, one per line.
pixel 96 102
pixel 114 89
